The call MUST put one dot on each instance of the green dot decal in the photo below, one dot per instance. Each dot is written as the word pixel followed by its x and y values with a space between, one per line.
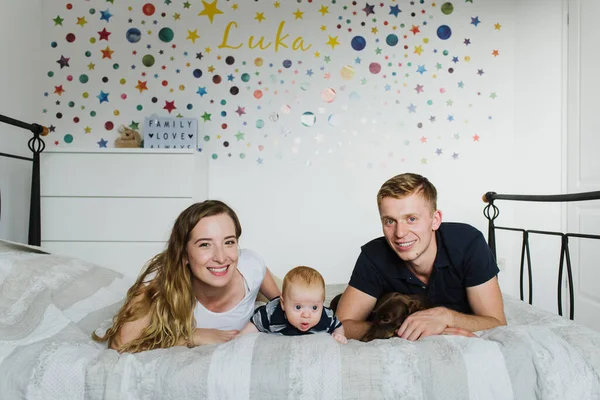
pixel 206 138
pixel 245 77
pixel 83 78
pixel 71 104
pixel 68 138
pixel 242 156
pixel 215 156
pixel 50 74
pixel 166 35
pixel 148 60
pixel 139 107
pixel 447 8
pixel 88 53
pixel 93 113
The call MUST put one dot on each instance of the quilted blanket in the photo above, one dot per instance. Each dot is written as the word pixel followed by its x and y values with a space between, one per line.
pixel 49 305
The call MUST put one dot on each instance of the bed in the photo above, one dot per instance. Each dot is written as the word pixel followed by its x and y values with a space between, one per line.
pixel 50 304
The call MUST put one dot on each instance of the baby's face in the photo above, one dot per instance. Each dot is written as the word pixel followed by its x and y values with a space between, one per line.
pixel 303 305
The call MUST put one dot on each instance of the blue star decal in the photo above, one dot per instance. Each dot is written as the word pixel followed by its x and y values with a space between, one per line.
pixel 102 143
pixel 475 21
pixel 412 108
pixel 421 69
pixel 357 60
pixel 103 97
pixel 105 15
pixel 201 91
pixel 394 10
pixel 230 77
pixel 309 72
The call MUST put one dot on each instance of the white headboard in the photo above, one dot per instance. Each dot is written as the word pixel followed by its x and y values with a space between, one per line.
pixel 116 207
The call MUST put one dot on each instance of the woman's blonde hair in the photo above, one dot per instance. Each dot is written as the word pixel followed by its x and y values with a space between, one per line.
pixel 303 275
pixel 163 290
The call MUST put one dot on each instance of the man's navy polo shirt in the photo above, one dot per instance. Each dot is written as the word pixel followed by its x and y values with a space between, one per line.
pixel 463 259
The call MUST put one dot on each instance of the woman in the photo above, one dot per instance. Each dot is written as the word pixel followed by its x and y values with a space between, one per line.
pixel 200 290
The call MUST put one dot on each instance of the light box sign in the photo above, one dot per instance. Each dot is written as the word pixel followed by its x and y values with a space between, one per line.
pixel 170 133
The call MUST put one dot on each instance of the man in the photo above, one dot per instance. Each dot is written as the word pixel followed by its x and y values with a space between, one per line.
pixel 450 263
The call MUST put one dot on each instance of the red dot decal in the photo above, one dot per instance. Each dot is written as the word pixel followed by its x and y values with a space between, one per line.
pixel 148 9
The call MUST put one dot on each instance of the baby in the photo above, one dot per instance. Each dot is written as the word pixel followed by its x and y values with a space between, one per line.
pixel 300 310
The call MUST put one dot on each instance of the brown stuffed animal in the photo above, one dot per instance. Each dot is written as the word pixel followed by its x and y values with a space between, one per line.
pixel 129 138
pixel 389 313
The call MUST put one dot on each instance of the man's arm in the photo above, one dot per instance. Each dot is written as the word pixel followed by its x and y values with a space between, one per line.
pixel 485 301
pixel 487 305
pixel 353 309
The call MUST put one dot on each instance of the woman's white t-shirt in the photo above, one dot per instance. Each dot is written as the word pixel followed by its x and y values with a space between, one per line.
pixel 253 270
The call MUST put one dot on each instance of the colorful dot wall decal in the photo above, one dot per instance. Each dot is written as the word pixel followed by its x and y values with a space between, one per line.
pixel 166 35
pixel 133 35
pixel 358 43
pixel 269 81
pixel 444 32
pixel 447 8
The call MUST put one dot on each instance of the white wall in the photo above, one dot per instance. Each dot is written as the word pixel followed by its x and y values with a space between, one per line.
pixel 540 92
pixel 21 71
pixel 321 213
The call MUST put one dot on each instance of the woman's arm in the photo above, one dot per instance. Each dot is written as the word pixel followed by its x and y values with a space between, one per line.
pixel 204 336
pixel 131 330
pixel 269 288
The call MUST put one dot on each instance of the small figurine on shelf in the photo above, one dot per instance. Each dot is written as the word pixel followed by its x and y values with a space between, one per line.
pixel 128 138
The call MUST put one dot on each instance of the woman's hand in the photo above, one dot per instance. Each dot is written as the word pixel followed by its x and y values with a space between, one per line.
pixel 212 336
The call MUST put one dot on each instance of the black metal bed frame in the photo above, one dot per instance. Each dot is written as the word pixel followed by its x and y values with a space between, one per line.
pixel 492 212
pixel 36 146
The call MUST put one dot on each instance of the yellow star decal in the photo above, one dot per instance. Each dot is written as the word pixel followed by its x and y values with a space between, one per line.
pixel 317 54
pixel 87 129
pixel 323 28
pixel 324 10
pixel 333 42
pixel 298 14
pixel 497 27
pixel 176 16
pixel 260 16
pixel 276 4
pixel 418 50
pixel 81 21
pixel 91 66
pixel 193 35
pixel 374 29
pixel 234 7
pixel 211 69
pixel 207 50
pixel 210 10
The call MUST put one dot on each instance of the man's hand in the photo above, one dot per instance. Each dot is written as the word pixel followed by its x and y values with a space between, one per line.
pixel 433 321
pixel 212 336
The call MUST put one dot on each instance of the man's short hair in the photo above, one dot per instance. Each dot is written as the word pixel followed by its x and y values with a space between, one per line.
pixel 403 185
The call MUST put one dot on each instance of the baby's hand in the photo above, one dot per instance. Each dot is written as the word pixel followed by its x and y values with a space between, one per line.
pixel 339 338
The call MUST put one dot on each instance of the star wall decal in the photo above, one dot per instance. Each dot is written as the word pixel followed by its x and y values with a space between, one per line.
pixel 210 10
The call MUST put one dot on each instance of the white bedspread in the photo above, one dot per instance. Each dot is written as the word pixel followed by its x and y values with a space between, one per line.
pixel 49 305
